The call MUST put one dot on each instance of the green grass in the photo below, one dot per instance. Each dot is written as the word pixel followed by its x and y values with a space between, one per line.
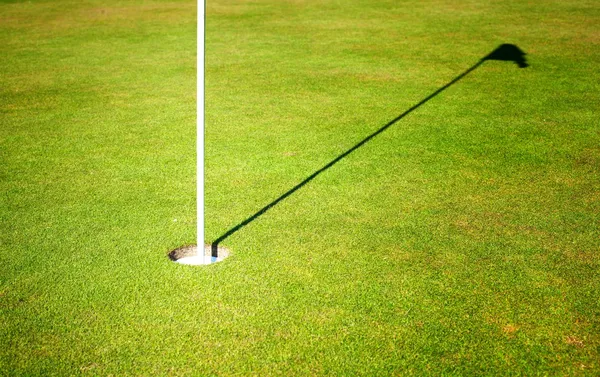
pixel 464 240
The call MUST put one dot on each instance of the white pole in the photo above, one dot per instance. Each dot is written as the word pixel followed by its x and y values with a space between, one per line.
pixel 200 258
pixel 200 131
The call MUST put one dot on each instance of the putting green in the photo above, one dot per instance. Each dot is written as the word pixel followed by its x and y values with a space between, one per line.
pixel 463 240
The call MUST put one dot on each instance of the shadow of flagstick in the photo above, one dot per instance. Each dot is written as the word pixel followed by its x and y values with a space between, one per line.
pixel 505 52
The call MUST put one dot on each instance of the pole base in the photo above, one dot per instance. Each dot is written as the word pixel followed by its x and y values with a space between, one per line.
pixel 189 255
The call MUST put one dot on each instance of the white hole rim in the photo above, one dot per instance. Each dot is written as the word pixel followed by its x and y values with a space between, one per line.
pixel 188 255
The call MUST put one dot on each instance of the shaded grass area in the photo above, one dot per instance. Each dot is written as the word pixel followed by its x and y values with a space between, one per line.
pixel 462 241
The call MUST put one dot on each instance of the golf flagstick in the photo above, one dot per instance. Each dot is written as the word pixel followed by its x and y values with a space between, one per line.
pixel 199 254
pixel 200 258
pixel 200 131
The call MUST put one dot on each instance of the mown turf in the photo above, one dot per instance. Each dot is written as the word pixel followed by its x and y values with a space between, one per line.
pixel 464 240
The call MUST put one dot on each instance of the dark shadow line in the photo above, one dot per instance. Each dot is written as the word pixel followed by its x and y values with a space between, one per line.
pixel 493 55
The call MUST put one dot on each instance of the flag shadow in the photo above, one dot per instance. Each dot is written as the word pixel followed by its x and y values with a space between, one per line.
pixel 505 52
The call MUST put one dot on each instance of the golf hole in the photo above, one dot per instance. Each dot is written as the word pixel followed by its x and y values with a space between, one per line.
pixel 189 255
